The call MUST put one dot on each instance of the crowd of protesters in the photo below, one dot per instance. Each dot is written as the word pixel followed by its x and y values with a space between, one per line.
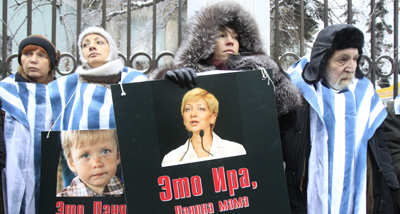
pixel 340 145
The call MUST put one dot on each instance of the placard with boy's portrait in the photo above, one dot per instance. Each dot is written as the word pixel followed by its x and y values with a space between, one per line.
pixel 93 156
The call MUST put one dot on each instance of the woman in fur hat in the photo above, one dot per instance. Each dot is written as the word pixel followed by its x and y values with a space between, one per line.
pixel 27 112
pixel 82 100
pixel 224 36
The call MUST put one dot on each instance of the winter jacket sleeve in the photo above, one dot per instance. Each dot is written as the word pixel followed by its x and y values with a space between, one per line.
pixel 385 160
pixel 2 142
pixel 159 72
pixel 288 97
pixel 385 179
pixel 392 132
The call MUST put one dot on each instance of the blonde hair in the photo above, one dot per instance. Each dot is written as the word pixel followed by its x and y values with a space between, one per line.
pixel 199 93
pixel 78 137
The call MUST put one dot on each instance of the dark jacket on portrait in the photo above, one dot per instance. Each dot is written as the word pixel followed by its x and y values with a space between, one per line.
pixel 199 45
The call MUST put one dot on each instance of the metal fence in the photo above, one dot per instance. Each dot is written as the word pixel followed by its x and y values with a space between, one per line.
pixel 373 71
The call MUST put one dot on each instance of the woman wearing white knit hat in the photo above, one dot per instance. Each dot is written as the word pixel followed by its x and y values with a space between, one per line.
pixel 99 57
pixel 82 100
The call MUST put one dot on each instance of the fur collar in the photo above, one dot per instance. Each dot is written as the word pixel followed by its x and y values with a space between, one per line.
pixel 201 32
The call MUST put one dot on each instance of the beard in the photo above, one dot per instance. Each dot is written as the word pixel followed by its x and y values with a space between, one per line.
pixel 338 83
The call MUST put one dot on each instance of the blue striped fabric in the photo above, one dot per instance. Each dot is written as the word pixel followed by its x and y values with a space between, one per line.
pixel 80 106
pixel 397 105
pixel 341 123
pixel 28 113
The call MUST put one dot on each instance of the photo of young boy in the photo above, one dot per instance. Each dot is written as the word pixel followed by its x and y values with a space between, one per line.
pixel 93 155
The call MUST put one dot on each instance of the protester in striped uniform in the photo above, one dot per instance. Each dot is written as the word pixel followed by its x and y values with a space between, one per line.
pixel 337 157
pixel 392 131
pixel 27 112
pixel 82 100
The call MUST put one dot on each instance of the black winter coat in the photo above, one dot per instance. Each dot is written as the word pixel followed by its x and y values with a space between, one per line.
pixel 296 147
pixel 392 132
pixel 2 142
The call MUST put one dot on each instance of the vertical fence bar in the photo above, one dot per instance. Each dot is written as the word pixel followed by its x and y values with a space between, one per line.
pixel 396 49
pixel 349 12
pixel 276 31
pixel 373 48
pixel 78 26
pixel 326 13
pixel 54 22
pixel 180 23
pixel 29 18
pixel 301 27
pixel 153 54
pixel 103 13
pixel 4 67
pixel 128 32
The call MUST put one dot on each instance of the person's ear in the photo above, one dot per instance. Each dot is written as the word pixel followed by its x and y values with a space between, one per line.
pixel 118 158
pixel 71 165
pixel 213 118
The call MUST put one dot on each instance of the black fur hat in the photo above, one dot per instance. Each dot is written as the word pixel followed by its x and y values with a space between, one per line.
pixel 330 39
pixel 349 38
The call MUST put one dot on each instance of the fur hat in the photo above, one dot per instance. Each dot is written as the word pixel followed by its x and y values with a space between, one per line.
pixel 112 55
pixel 348 38
pixel 330 39
pixel 201 33
pixel 41 41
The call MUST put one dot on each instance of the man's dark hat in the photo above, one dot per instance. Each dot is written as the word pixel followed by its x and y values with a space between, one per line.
pixel 330 39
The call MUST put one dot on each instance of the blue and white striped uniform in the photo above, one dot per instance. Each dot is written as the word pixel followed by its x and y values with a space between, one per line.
pixel 397 105
pixel 80 105
pixel 341 123
pixel 28 112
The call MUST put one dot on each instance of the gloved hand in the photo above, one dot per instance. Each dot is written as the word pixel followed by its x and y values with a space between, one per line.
pixel 183 77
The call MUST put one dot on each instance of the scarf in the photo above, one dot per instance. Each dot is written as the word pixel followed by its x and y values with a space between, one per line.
pixel 341 123
pixel 109 68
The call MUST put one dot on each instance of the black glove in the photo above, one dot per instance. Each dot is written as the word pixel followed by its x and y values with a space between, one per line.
pixel 183 77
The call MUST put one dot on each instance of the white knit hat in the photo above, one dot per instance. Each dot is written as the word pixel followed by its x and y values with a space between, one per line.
pixel 113 55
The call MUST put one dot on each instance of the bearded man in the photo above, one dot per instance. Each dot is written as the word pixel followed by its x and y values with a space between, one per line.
pixel 336 155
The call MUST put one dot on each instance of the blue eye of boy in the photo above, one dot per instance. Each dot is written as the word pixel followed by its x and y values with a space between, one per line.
pixel 85 156
pixel 106 151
